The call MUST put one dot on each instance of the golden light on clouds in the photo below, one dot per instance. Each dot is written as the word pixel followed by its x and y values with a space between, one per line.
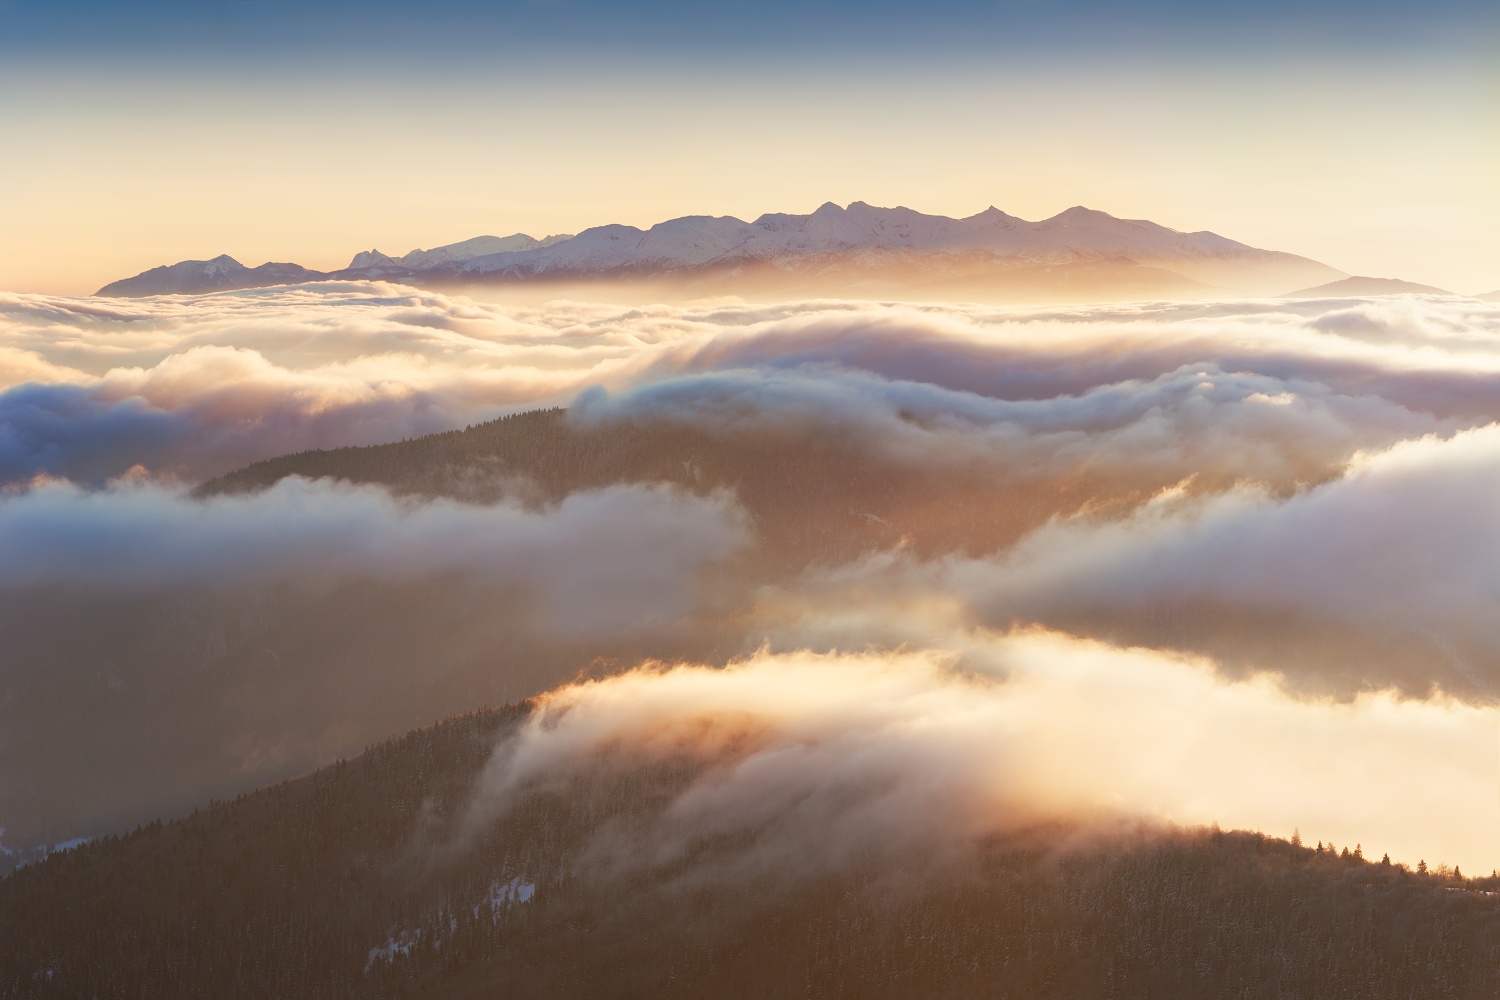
pixel 826 755
pixel 1249 545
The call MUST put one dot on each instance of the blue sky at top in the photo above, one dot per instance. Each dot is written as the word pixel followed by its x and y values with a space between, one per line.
pixel 445 29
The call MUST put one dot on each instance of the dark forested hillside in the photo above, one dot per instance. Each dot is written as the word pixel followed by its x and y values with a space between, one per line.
pixel 816 493
pixel 353 882
pixel 820 496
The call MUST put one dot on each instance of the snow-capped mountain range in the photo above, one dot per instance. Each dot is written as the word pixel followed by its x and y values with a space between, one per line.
pixel 454 253
pixel 859 244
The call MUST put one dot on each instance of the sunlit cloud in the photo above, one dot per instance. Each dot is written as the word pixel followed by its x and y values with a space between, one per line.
pixel 1400 546
pixel 808 762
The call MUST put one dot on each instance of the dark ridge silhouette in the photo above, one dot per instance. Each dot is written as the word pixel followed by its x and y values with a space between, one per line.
pixel 816 494
pixel 822 497
pixel 348 883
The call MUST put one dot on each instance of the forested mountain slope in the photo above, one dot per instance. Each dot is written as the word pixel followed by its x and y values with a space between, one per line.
pixel 815 492
pixel 822 496
pixel 354 882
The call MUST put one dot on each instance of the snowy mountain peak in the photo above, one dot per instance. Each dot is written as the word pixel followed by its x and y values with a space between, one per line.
pixel 1083 212
pixel 370 258
pixel 1078 217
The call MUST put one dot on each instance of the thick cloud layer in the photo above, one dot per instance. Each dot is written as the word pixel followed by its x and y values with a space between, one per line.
pixel 1196 420
pixel 1408 538
pixel 1388 574
pixel 1296 488
pixel 591 571
pixel 160 649
pixel 809 762
pixel 196 386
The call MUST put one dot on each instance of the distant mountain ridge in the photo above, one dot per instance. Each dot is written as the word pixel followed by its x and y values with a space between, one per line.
pixel 887 248
pixel 1361 285
pixel 454 253
pixel 222 273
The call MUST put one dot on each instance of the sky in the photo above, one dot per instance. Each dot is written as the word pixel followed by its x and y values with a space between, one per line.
pixel 1362 135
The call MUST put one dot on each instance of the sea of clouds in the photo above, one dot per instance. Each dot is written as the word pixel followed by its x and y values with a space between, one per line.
pixel 1274 608
pixel 190 387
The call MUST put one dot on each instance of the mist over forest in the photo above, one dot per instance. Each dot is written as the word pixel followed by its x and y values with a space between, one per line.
pixel 893 621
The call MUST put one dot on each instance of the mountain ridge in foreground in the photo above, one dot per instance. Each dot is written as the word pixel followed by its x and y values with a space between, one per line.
pixel 354 882
pixel 859 249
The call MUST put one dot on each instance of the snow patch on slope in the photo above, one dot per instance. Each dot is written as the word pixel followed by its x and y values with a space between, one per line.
pixel 500 897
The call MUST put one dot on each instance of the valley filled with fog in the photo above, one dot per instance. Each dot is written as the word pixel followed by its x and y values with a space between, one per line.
pixel 1213 562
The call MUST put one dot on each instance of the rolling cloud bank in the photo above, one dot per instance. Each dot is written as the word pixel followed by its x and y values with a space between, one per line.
pixel 1225 562
pixel 813 762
